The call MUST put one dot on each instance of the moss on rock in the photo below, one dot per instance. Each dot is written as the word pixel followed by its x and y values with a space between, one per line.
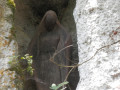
pixel 11 4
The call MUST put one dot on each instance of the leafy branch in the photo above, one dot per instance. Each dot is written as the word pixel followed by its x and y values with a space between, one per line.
pixel 15 65
pixel 56 87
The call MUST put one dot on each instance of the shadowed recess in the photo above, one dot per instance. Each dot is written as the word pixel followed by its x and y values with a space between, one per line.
pixel 28 16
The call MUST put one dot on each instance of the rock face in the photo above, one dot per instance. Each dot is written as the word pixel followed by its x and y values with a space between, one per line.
pixel 98 25
pixel 8 46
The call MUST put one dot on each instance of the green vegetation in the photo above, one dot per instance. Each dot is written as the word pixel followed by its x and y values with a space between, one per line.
pixel 56 87
pixel 11 4
pixel 15 65
pixel 29 62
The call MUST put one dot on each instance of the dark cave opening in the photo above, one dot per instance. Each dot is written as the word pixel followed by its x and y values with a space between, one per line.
pixel 28 16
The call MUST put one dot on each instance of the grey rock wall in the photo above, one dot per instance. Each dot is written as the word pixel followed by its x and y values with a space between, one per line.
pixel 98 25
pixel 8 46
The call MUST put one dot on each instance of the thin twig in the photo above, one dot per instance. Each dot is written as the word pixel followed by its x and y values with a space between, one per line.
pixel 52 58
pixel 69 73
pixel 97 52
pixel 74 66
pixel 63 49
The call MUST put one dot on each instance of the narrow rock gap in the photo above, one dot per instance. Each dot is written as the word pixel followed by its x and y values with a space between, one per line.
pixel 28 16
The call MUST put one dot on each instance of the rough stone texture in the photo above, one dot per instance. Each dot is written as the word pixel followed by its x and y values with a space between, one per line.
pixel 98 24
pixel 8 46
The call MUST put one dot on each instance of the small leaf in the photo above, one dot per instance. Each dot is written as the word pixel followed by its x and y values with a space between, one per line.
pixel 26 55
pixel 31 56
pixel 22 58
pixel 10 62
pixel 31 72
pixel 53 86
pixel 30 62
pixel 58 86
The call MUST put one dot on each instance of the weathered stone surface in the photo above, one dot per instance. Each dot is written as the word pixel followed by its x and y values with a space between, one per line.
pixel 8 46
pixel 98 24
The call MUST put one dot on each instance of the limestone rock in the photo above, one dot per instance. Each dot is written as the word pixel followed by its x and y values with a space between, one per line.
pixel 98 25
pixel 8 46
